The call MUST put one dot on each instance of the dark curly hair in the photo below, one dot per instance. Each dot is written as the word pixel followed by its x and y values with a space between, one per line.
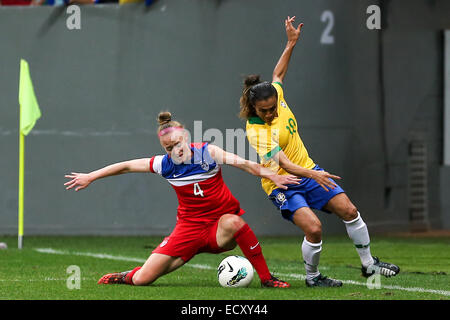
pixel 254 90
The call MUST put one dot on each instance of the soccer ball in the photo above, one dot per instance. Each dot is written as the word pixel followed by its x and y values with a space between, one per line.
pixel 235 271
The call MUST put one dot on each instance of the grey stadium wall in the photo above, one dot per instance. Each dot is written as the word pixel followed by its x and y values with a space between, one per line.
pixel 101 87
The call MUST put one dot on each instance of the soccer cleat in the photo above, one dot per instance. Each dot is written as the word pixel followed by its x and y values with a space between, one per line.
pixel 125 277
pixel 115 278
pixel 275 283
pixel 380 267
pixel 323 281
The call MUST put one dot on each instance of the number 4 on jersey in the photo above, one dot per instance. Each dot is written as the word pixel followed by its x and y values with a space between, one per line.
pixel 197 190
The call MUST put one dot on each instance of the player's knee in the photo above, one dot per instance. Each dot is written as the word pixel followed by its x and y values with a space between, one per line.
pixel 314 232
pixel 232 223
pixel 350 212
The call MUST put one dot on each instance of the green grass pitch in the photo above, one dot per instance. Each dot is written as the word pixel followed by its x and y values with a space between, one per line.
pixel 39 271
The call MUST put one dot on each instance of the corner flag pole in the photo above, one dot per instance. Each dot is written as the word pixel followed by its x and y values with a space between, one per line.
pixel 21 186
pixel 29 114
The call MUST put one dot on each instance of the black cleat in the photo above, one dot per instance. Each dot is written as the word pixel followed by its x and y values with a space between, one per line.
pixel 323 281
pixel 380 267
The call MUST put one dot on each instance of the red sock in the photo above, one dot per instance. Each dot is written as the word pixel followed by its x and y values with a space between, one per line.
pixel 129 276
pixel 251 248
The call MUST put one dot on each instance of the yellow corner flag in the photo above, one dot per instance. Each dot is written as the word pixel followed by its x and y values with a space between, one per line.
pixel 29 108
pixel 29 114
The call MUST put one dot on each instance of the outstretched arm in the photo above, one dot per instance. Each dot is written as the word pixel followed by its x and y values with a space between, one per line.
pixel 82 180
pixel 223 157
pixel 292 37
pixel 321 177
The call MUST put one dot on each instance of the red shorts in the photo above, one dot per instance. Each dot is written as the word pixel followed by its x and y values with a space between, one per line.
pixel 188 239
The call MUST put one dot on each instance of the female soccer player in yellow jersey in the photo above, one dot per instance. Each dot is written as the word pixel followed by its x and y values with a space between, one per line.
pixel 273 131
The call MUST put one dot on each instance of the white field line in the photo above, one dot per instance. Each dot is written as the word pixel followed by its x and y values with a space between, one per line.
pixel 207 267
pixel 88 254
pixel 38 280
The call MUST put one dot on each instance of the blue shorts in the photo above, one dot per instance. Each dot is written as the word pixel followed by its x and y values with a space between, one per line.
pixel 306 194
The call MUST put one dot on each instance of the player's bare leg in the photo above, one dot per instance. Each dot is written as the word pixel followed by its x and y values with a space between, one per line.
pixel 341 206
pixel 358 232
pixel 232 230
pixel 229 224
pixel 307 220
pixel 156 266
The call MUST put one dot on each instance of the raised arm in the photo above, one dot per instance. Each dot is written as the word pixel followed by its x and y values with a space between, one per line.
pixel 223 157
pixel 292 37
pixel 82 180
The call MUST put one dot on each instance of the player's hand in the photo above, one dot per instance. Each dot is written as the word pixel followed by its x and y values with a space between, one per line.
pixel 292 33
pixel 281 181
pixel 78 180
pixel 323 178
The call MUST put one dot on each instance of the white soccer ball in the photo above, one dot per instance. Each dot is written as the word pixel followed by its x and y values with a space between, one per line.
pixel 235 271
pixel 3 245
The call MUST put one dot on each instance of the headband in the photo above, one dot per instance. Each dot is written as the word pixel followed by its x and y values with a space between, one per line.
pixel 167 130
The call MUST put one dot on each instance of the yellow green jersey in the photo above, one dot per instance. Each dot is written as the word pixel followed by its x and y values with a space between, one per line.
pixel 281 134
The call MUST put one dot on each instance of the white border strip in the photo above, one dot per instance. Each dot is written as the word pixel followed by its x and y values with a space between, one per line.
pixel 206 267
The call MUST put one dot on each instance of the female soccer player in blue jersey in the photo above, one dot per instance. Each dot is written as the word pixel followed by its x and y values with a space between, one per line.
pixel 272 130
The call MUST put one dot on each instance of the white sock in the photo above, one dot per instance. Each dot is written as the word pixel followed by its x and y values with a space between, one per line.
pixel 311 257
pixel 357 231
